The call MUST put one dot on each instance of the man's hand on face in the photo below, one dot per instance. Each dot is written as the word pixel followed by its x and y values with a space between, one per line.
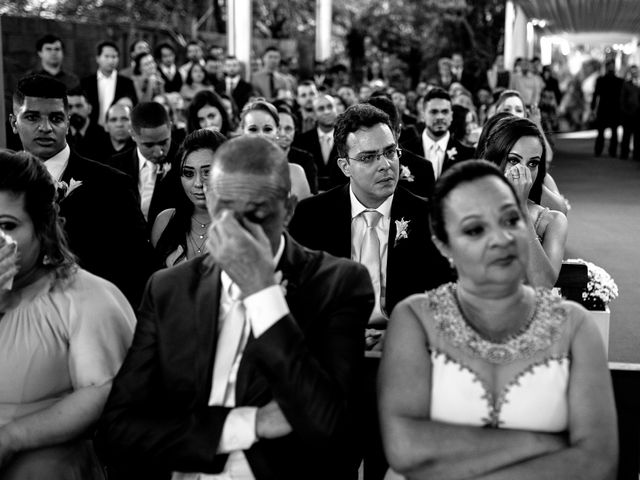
pixel 243 251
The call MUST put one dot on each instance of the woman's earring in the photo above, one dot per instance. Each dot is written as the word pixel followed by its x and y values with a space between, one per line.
pixel 451 264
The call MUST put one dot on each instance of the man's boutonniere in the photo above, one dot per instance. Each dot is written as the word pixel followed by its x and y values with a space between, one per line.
pixel 452 152
pixel 402 230
pixel 405 174
pixel 282 282
pixel 162 169
pixel 64 189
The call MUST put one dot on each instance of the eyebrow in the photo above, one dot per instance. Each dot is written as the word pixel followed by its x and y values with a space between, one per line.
pixel 376 151
pixel 503 208
pixel 9 217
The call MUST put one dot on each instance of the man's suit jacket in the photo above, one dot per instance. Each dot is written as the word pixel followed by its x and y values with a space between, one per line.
pixel 310 362
pixel 455 152
pixel 89 145
pixel 124 88
pixel 165 193
pixel 416 174
pixel 105 227
pixel 262 84
pixel 171 84
pixel 241 94
pixel 414 264
pixel 329 174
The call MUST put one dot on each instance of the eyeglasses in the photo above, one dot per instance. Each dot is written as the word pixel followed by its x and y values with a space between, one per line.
pixel 390 153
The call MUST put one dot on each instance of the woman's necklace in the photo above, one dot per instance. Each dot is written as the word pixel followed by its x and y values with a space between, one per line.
pixel 197 247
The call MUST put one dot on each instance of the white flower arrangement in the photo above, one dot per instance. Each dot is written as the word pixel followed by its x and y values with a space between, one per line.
pixel 601 288
pixel 405 174
pixel 402 230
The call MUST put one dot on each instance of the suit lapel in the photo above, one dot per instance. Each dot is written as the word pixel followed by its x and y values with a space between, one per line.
pixel 342 234
pixel 207 304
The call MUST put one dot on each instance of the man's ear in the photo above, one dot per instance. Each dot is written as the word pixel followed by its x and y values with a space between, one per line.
pixel 344 165
pixel 13 119
pixel 290 206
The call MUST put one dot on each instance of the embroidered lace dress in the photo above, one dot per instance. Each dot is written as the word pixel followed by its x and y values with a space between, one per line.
pixel 520 383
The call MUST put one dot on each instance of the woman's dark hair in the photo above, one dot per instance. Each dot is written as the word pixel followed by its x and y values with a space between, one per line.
pixel 260 105
pixel 458 174
pixel 234 121
pixel 189 79
pixel 178 227
pixel 202 99
pixel 501 138
pixel 459 122
pixel 489 125
pixel 23 174
pixel 136 62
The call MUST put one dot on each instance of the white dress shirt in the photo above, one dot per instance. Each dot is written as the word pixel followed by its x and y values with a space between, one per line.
pixel 106 93
pixel 169 71
pixel 231 84
pixel 57 164
pixel 434 151
pixel 326 144
pixel 146 182
pixel 263 310
pixel 358 229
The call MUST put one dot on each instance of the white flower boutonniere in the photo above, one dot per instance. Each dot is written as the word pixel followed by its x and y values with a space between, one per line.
pixel 452 152
pixel 65 189
pixel 283 282
pixel 163 168
pixel 405 174
pixel 402 230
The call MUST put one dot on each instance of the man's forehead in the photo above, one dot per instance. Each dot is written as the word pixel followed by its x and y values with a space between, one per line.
pixel 244 185
pixel 41 104
pixel 365 137
pixel 437 103
pixel 118 111
pixel 56 44
pixel 163 132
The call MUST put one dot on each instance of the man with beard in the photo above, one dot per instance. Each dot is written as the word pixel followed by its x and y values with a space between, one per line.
pixel 84 136
pixel 438 145
pixel 319 143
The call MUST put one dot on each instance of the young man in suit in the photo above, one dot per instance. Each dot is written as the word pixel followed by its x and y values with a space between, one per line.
pixel 246 362
pixel 269 80
pixel 106 86
pixel 319 143
pixel 166 57
pixel 85 136
pixel 235 86
pixel 150 164
pixel 373 221
pixel 438 145
pixel 102 220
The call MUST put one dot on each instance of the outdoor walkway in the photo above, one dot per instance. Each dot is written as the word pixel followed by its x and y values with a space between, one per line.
pixel 604 228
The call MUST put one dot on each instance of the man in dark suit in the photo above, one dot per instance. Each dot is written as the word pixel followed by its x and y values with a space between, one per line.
pixel 437 144
pixel 269 80
pixel 235 86
pixel 106 87
pixel 165 55
pixel 247 360
pixel 375 222
pixel 605 103
pixel 102 220
pixel 151 164
pixel 416 174
pixel 319 143
pixel 85 136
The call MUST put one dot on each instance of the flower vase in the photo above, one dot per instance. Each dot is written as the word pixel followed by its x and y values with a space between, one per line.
pixel 602 319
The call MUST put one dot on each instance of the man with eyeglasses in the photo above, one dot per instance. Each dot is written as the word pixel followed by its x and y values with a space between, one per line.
pixel 379 224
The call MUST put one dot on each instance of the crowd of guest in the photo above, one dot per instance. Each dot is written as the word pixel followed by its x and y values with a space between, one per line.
pixel 259 237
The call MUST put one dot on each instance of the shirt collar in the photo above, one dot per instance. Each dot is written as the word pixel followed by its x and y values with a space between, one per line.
pixel 56 164
pixel 357 207
pixel 441 142
pixel 102 76
pixel 322 134
pixel 141 160
pixel 226 280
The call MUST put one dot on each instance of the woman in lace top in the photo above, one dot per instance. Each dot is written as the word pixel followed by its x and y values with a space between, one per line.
pixel 490 378
pixel 517 147
pixel 180 234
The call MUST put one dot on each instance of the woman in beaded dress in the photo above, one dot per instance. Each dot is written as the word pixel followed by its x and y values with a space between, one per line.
pixel 490 378
pixel 180 233
pixel 516 146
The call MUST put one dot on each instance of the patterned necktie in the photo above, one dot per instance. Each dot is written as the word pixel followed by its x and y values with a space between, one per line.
pixel 370 257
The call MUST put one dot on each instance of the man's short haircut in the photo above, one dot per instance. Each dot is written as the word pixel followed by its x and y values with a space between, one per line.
pixel 158 50
pixel 436 92
pixel 354 118
pixel 40 86
pixel 307 83
pixel 114 105
pixel 149 115
pixel 48 39
pixel 270 48
pixel 384 103
pixel 254 155
pixel 106 43
pixel 77 91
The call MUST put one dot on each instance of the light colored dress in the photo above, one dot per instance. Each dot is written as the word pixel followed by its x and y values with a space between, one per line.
pixel 521 383
pixel 61 335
